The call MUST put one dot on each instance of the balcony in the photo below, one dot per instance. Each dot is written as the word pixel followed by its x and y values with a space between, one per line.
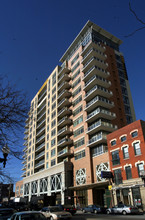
pixel 40 98
pixel 64 153
pixel 64 142
pixel 97 90
pixel 64 77
pixel 94 61
pixel 41 163
pixel 97 139
pixel 23 175
pixel 64 121
pixel 100 113
pixel 40 132
pixel 101 125
pixel 42 116
pixel 64 131
pixel 98 101
pixel 26 131
pixel 25 149
pixel 24 168
pixel 64 111
pixel 40 139
pixel 90 45
pixel 41 124
pixel 40 155
pixel 96 80
pixel 63 103
pixel 25 143
pixel 64 85
pixel 42 102
pixel 26 137
pixel 41 108
pixel 64 94
pixel 93 52
pixel 40 147
pixel 64 69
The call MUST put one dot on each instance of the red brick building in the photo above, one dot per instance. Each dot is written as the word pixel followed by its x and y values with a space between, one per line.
pixel 126 148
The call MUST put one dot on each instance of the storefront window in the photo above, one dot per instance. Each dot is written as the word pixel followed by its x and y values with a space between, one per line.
pixel 136 196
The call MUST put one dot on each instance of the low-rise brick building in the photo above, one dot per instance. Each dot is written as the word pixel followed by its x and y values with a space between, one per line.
pixel 126 148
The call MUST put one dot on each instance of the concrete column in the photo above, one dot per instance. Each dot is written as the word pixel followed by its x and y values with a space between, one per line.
pixel 63 187
pixel 121 196
pixel 130 197
pixel 114 196
pixel 62 197
pixel 48 187
pixel 38 187
pixel 90 196
pixel 29 191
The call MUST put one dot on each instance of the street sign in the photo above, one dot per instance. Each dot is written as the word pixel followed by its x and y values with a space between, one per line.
pixel 110 187
pixel 106 174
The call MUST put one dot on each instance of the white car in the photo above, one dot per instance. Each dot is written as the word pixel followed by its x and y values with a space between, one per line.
pixel 55 213
pixel 27 215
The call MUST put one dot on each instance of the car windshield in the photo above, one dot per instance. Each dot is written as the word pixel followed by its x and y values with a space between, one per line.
pixel 55 209
pixel 33 216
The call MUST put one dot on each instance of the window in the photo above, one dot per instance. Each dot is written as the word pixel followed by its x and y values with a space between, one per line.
pixel 47 137
pixel 47 145
pixel 79 99
pixel 28 165
pixel 117 176
pixel 123 138
pixel 134 134
pixel 48 85
pixel 113 142
pixel 79 143
pixel 47 165
pixel 53 141
pixel 49 96
pixel 53 132
pixel 115 158
pixel 54 98
pixel 128 173
pixel 48 103
pixel 53 79
pixel 97 150
pixel 53 114
pixel 137 150
pixel 140 167
pixel 53 123
pixel 80 155
pixel 79 131
pixel 53 162
pixel 76 91
pixel 47 156
pixel 53 106
pixel 78 121
pixel 75 59
pixel 53 90
pixel 78 110
pixel 76 74
pixel 76 82
pixel 125 152
pixel 53 152
pixel 76 65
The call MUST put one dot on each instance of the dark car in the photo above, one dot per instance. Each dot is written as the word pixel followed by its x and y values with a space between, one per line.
pixel 70 208
pixel 94 209
pixel 6 213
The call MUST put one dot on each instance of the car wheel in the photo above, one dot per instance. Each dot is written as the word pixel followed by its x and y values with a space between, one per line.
pixel 84 211
pixel 51 218
pixel 124 212
pixel 95 211
pixel 108 212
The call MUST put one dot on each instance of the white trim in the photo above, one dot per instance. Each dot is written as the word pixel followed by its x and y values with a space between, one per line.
pixel 116 168
pixel 123 136
pixel 127 165
pixel 113 140
pixel 138 162
pixel 115 149
pixel 124 145
pixel 135 141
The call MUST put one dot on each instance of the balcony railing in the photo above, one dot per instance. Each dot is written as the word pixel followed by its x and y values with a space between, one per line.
pixel 99 98
pixel 99 88
pixel 65 150
pixel 39 132
pixel 101 54
pixel 101 123
pixel 99 110
pixel 96 138
pixel 43 136
pixel 40 146
pixel 98 78
pixel 97 68
pixel 40 163
pixel 92 44
pixel 39 155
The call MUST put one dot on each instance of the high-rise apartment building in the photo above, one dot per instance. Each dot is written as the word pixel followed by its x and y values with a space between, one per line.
pixel 82 100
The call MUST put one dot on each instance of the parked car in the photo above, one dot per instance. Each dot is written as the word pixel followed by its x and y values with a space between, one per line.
pixel 54 212
pixel 70 208
pixel 6 213
pixel 28 215
pixel 123 209
pixel 94 209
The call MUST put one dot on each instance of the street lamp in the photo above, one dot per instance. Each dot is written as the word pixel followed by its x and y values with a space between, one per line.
pixel 5 151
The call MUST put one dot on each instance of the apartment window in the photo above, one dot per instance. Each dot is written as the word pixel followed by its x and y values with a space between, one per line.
pixel 47 128
pixel 54 106
pixel 49 96
pixel 115 158
pixel 140 168
pixel 134 134
pixel 125 152
pixel 75 59
pixel 48 103
pixel 53 162
pixel 117 176
pixel 48 111
pixel 79 143
pixel 76 74
pixel 32 164
pixel 21 189
pixel 79 131
pixel 47 156
pixel 53 152
pixel 113 142
pixel 76 65
pixel 78 121
pixel 47 145
pixel 53 123
pixel 80 155
pixel 77 91
pixel 79 99
pixel 47 165
pixel 48 85
pixel 123 138
pixel 53 90
pixel 78 110
pixel 28 165
pixel 53 132
pixel 53 79
pixel 137 149
pixel 53 114
pixel 29 158
pixel 29 143
pixel 28 173
pixel 53 142
pixel 76 82
pixel 47 137
pixel 54 98
pixel 48 119
pixel 128 173
pixel 97 150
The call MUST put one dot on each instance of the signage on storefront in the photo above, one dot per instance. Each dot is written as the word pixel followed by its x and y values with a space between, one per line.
pixel 110 187
pixel 106 174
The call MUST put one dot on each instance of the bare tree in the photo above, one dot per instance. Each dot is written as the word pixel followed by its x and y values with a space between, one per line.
pixel 138 19
pixel 13 113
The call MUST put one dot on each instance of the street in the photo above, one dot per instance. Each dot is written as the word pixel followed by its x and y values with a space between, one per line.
pixel 87 216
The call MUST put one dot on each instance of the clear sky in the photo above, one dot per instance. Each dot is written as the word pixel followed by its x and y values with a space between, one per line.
pixel 34 34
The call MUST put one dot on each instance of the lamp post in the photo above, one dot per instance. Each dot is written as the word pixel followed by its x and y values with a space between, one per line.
pixel 5 151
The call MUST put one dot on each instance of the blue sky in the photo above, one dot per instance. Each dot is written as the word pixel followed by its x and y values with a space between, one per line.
pixel 34 34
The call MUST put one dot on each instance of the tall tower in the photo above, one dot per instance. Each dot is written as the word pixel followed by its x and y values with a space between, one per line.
pixel 82 101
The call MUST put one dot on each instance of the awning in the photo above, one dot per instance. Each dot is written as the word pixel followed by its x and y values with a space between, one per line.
pixel 99 185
